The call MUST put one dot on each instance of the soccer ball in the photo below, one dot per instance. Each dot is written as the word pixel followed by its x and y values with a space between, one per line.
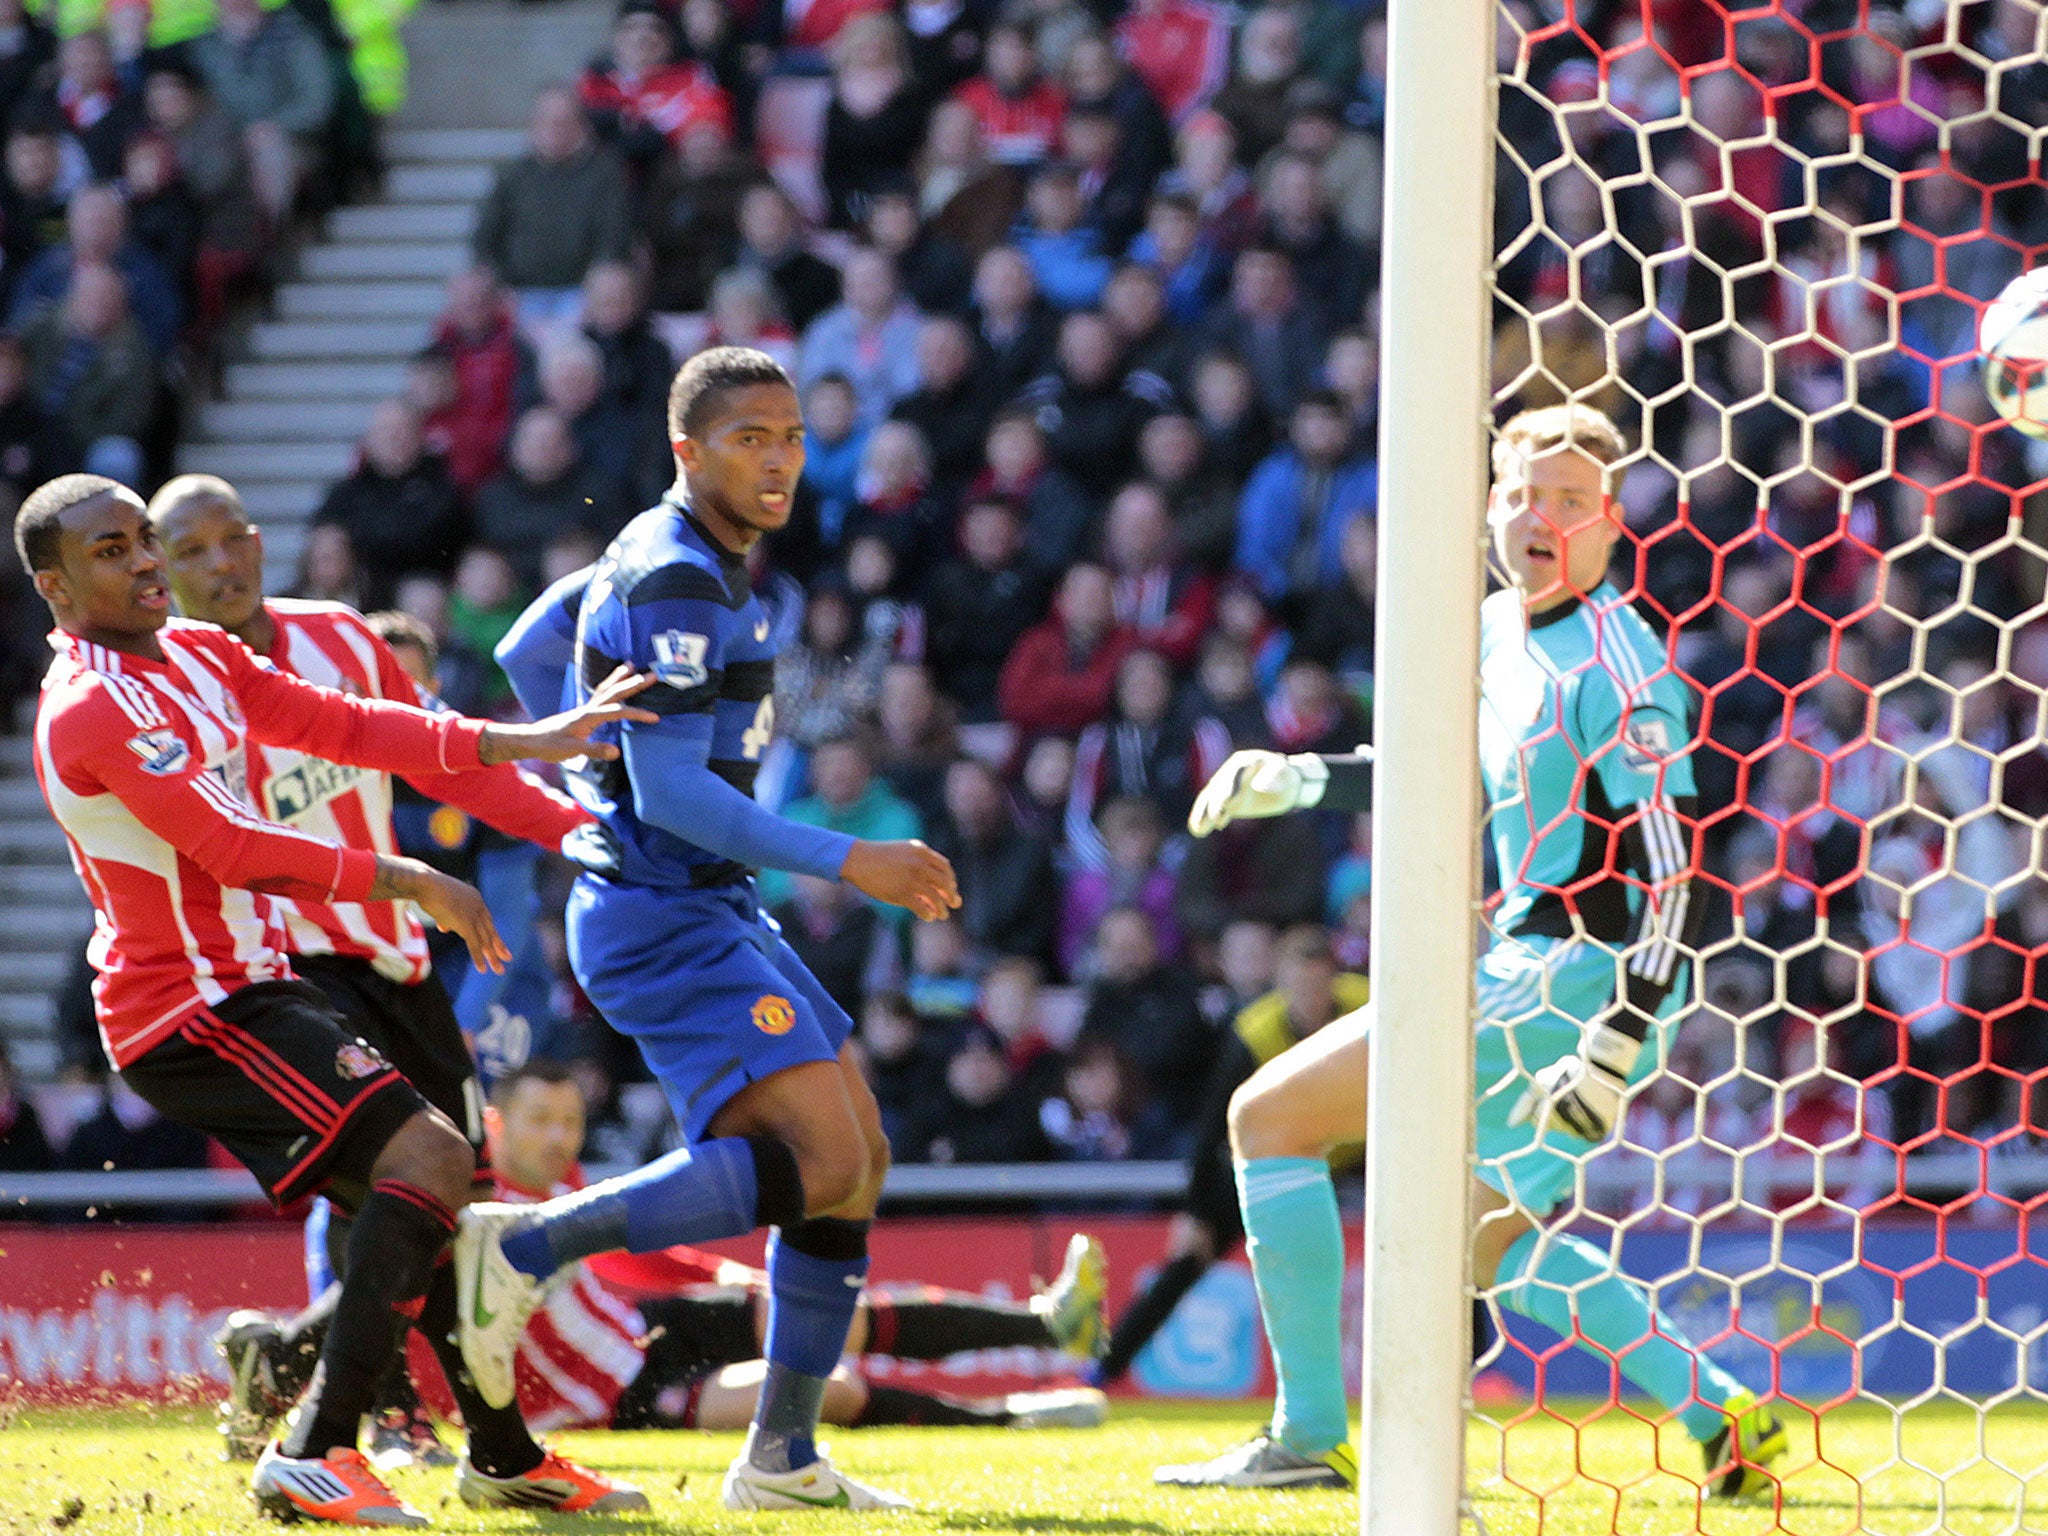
pixel 2012 334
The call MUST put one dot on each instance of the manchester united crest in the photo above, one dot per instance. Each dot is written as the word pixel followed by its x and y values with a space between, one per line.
pixel 774 1016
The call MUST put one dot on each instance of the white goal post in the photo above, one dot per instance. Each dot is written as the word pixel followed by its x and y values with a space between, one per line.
pixel 1436 313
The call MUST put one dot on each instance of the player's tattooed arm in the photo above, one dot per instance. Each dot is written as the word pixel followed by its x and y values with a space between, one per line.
pixel 456 908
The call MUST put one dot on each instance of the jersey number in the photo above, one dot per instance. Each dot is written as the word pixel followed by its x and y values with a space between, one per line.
pixel 754 740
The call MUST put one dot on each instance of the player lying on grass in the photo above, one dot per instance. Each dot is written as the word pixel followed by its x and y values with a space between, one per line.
pixel 669 941
pixel 142 737
pixel 1583 744
pixel 370 960
pixel 672 1339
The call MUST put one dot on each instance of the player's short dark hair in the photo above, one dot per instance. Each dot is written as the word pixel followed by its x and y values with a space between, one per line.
pixel 539 1069
pixel 395 627
pixel 706 379
pixel 36 531
pixel 176 492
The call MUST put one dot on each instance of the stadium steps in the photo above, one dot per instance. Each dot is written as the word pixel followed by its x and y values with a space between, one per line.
pixel 362 302
pixel 310 382
pixel 43 914
pixel 284 421
pixel 357 300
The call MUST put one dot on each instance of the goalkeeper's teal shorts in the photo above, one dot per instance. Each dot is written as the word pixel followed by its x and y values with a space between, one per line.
pixel 1535 997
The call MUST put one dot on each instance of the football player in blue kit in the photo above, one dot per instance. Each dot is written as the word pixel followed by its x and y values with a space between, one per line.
pixel 1584 734
pixel 668 939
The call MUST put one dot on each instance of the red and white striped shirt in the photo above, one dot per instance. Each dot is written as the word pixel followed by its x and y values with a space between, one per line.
pixel 587 1342
pixel 144 765
pixel 329 644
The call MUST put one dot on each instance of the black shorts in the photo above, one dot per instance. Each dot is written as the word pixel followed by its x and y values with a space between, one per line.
pixel 690 1337
pixel 414 1026
pixel 282 1082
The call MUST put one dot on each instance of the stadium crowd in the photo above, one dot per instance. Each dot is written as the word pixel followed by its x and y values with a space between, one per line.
pixel 1082 304
pixel 154 167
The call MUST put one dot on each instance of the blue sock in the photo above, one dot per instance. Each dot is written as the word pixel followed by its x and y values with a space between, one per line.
pixel 1575 1290
pixel 693 1195
pixel 1296 1246
pixel 811 1302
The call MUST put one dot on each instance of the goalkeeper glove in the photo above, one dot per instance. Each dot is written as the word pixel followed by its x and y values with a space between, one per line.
pixel 1583 1092
pixel 1256 783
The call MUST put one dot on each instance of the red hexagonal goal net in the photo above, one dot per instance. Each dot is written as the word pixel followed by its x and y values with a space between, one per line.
pixel 1761 238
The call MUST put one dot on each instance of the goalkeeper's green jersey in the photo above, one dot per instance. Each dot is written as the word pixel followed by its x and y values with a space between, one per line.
pixel 1584 736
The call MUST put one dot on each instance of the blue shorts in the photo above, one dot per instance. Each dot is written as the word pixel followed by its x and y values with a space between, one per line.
pixel 706 986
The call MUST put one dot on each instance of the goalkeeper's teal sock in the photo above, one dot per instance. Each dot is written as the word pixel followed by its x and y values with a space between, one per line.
pixel 1296 1246
pixel 1574 1289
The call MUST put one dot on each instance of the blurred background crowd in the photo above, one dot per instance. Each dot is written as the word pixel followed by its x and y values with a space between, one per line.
pixel 1082 301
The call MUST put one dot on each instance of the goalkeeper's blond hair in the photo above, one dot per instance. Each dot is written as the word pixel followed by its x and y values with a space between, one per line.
pixel 1531 434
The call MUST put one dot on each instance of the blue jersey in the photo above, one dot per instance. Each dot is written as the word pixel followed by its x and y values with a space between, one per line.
pixel 668 599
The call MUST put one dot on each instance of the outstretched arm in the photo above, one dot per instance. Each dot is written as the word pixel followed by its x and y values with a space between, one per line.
pixel 501 796
pixel 1256 783
pixel 285 711
pixel 675 789
pixel 171 794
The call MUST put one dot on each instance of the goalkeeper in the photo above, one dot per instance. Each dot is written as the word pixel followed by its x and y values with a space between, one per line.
pixel 1583 741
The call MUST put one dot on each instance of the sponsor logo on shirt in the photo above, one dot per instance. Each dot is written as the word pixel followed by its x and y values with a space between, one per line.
pixel 163 752
pixel 679 659
pixel 311 782
pixel 356 1060
pixel 774 1016
pixel 1646 742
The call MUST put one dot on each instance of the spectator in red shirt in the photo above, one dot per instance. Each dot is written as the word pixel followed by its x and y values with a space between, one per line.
pixel 1018 108
pixel 641 100
pixel 1060 675
pixel 477 335
pixel 812 26
pixel 1180 48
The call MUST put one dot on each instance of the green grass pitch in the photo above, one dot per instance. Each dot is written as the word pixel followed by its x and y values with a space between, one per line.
pixel 1931 1470
pixel 164 1478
